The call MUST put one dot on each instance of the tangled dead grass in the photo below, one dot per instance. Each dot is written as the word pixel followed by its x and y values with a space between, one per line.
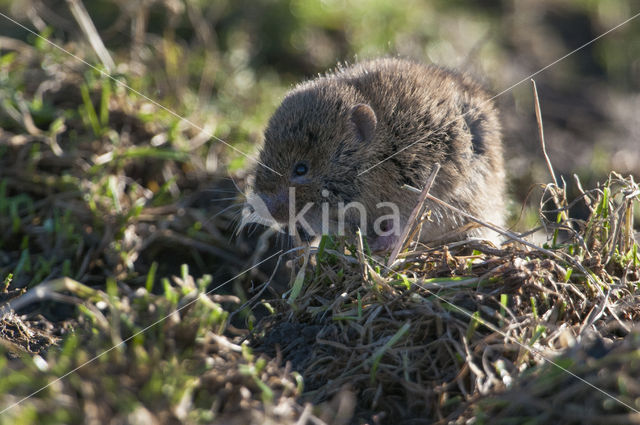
pixel 460 333
pixel 451 332
pixel 549 395
pixel 446 334
pixel 19 337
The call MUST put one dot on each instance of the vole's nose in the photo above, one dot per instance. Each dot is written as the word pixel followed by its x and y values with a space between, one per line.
pixel 277 204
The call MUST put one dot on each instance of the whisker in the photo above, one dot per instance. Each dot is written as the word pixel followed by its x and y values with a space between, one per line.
pixel 223 210
pixel 219 191
pixel 236 186
pixel 223 199
pixel 232 234
pixel 240 223
pixel 253 229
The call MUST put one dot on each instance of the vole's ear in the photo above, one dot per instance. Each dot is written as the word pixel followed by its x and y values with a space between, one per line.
pixel 364 121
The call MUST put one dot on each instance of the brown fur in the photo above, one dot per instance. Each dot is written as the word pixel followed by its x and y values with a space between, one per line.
pixel 317 123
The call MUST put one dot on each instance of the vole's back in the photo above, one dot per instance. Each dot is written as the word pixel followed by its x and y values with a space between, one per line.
pixel 449 111
pixel 436 115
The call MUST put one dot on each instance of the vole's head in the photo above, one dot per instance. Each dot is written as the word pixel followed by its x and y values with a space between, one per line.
pixel 318 140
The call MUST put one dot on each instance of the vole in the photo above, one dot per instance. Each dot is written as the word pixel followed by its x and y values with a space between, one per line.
pixel 356 135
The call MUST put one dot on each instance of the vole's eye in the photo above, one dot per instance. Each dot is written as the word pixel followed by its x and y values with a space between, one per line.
pixel 300 169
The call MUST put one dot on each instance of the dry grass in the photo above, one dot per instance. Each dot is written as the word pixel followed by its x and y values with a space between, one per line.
pixel 103 196
pixel 429 340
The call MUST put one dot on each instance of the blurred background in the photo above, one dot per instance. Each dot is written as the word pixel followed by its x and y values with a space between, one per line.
pixel 225 65
pixel 228 63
